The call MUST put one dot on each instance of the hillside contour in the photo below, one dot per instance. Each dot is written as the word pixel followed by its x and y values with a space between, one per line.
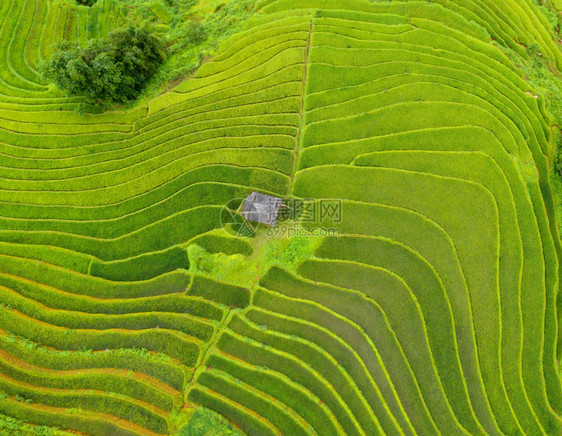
pixel 430 308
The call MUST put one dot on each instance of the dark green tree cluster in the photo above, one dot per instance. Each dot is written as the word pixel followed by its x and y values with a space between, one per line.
pixel 110 70
pixel 86 2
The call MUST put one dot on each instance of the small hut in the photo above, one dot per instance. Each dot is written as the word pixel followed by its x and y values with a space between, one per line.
pixel 262 208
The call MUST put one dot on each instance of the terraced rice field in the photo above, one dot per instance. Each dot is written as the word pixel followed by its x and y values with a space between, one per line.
pixel 433 311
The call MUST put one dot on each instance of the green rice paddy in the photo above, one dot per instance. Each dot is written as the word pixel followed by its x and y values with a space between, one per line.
pixel 127 308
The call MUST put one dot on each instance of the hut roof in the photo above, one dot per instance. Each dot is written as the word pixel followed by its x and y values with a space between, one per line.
pixel 262 208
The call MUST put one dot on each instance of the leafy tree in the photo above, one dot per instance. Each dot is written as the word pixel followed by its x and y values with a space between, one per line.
pixel 110 70
pixel 86 2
